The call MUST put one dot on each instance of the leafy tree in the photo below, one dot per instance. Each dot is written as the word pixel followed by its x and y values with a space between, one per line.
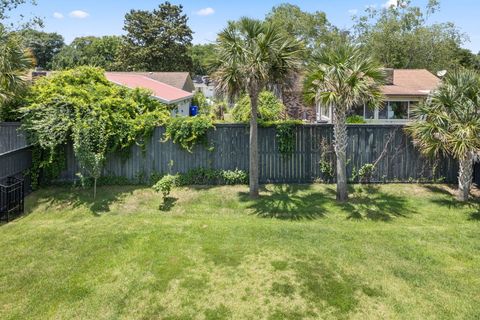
pixel 270 108
pixel 6 6
pixel 449 124
pixel 92 51
pixel 203 56
pixel 401 37
pixel 157 40
pixel 90 144
pixel 251 55
pixel 44 46
pixel 15 62
pixel 312 28
pixel 344 77
pixel 82 106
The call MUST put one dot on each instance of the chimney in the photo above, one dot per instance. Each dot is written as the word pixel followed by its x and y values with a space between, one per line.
pixel 389 76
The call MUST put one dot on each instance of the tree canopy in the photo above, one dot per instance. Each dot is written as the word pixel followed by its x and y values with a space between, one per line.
pixel 399 36
pixel 157 40
pixel 89 51
pixel 203 57
pixel 43 45
pixel 270 108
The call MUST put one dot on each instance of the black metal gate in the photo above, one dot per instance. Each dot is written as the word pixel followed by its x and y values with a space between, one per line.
pixel 12 196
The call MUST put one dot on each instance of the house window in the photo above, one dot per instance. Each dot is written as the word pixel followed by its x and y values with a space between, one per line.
pixel 369 113
pixel 398 110
pixel 395 110
pixel 357 110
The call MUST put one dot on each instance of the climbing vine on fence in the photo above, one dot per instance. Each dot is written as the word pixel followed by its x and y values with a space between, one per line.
pixel 188 131
pixel 61 107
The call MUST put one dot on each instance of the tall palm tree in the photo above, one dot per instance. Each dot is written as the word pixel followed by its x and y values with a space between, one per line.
pixel 448 123
pixel 252 55
pixel 342 78
pixel 15 62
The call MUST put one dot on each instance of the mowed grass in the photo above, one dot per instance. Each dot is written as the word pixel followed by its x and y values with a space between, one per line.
pixel 393 252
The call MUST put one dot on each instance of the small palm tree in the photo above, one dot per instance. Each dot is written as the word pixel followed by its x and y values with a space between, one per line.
pixel 342 78
pixel 252 55
pixel 15 62
pixel 448 123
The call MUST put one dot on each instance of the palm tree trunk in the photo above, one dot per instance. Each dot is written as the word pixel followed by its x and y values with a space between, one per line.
pixel 340 142
pixel 254 144
pixel 465 176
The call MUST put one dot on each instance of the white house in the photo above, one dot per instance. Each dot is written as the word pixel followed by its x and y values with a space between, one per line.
pixel 404 89
pixel 179 98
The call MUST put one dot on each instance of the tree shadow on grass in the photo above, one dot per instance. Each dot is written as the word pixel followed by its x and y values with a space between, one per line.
pixel 72 197
pixel 288 202
pixel 168 204
pixel 369 202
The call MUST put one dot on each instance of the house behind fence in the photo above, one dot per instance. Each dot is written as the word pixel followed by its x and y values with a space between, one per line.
pixel 387 146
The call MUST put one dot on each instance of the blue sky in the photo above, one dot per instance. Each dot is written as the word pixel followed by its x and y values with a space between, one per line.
pixel 73 18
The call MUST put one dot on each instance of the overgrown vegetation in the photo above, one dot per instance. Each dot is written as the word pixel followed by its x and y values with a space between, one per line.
pixel 188 131
pixel 83 107
pixel 270 108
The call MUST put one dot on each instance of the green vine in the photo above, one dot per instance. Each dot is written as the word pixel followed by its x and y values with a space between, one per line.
pixel 188 131
pixel 80 106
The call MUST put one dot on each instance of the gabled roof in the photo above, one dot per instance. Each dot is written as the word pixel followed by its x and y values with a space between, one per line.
pixel 411 82
pixel 162 91
pixel 179 80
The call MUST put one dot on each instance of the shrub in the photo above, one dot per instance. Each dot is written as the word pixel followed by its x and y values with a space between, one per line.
pixel 203 176
pixel 269 108
pixel 165 185
pixel 365 173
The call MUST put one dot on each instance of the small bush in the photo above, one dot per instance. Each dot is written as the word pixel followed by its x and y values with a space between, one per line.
pixel 202 176
pixel 165 185
pixel 365 173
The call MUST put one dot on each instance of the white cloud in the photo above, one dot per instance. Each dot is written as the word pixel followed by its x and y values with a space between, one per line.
pixel 394 3
pixel 58 15
pixel 79 14
pixel 205 12
pixel 353 12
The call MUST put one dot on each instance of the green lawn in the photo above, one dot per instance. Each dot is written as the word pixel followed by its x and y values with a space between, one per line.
pixel 395 252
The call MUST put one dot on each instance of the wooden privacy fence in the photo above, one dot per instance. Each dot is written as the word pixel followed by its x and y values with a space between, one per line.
pixel 10 137
pixel 396 158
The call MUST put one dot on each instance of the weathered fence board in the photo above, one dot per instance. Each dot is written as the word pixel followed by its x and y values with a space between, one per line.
pixel 398 160
pixel 10 137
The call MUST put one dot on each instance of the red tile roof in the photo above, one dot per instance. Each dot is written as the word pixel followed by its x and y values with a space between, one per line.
pixel 160 90
pixel 411 82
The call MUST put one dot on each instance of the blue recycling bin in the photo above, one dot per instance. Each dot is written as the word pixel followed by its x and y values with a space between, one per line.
pixel 193 111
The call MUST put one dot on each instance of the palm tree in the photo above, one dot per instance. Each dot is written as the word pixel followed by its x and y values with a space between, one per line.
pixel 252 55
pixel 343 77
pixel 15 62
pixel 448 123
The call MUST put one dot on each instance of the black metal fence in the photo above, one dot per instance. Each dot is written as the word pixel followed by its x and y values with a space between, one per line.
pixel 12 195
pixel 388 146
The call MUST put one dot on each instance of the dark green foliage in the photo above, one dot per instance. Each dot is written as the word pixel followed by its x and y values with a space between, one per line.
pixel 89 51
pixel 188 131
pixel 43 46
pixel 286 137
pixel 203 56
pixel 270 108
pixel 156 40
